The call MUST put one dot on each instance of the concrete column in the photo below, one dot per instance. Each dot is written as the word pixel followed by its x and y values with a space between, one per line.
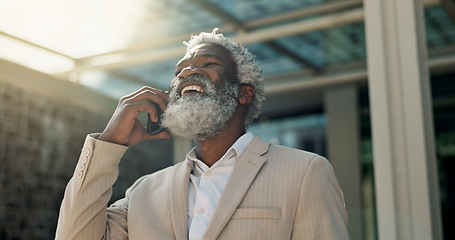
pixel 407 197
pixel 343 131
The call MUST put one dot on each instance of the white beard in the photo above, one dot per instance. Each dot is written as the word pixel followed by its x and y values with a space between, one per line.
pixel 200 116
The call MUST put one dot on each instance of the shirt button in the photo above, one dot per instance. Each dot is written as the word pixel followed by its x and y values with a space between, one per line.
pixel 200 211
pixel 208 173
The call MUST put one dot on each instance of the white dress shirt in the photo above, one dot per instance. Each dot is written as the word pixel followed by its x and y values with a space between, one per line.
pixel 207 184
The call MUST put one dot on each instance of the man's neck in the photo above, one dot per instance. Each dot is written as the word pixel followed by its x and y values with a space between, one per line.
pixel 211 150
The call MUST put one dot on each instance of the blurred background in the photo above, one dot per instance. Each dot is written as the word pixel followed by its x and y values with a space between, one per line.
pixel 368 84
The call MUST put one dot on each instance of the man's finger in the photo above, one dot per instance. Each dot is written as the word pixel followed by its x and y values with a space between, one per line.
pixel 157 97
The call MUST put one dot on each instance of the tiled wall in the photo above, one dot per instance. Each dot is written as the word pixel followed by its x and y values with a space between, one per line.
pixel 40 142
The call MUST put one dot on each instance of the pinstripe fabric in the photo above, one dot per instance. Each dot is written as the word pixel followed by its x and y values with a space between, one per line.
pixel 274 192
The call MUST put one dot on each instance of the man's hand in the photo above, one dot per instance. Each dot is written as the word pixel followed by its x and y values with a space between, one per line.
pixel 124 127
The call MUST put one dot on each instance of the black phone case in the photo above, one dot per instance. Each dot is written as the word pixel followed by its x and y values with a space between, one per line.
pixel 154 127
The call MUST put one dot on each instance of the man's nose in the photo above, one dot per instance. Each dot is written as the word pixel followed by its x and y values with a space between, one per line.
pixel 185 72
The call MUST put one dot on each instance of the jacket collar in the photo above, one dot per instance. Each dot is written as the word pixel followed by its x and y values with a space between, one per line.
pixel 241 178
pixel 179 199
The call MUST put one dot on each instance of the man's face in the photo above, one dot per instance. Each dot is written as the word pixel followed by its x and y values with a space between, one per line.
pixel 209 60
pixel 204 93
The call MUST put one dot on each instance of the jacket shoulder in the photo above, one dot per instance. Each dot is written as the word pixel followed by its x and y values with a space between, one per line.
pixel 284 155
pixel 261 147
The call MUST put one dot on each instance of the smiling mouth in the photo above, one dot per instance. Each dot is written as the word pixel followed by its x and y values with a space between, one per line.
pixel 191 89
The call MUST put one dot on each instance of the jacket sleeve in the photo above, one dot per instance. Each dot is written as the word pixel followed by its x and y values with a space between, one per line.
pixel 83 213
pixel 321 211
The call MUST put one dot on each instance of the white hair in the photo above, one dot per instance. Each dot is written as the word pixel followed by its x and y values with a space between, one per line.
pixel 248 72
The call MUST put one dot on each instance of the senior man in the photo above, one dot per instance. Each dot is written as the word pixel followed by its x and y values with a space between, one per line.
pixel 232 185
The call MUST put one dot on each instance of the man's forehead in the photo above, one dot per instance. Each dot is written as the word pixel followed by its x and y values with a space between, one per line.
pixel 207 50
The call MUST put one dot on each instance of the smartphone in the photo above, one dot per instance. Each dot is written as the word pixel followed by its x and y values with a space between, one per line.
pixel 155 127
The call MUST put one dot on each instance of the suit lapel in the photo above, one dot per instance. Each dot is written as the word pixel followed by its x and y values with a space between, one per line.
pixel 239 182
pixel 179 200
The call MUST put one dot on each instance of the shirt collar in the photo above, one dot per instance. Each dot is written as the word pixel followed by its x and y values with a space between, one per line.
pixel 238 147
pixel 241 143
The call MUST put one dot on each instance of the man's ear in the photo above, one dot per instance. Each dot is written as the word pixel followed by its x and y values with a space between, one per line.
pixel 246 94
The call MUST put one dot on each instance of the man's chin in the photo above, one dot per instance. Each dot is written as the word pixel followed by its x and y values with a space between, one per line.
pixel 193 122
pixel 188 99
pixel 192 95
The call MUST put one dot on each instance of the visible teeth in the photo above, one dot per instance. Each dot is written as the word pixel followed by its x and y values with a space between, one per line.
pixel 192 88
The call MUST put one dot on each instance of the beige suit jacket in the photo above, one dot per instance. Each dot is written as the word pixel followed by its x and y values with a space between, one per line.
pixel 274 192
